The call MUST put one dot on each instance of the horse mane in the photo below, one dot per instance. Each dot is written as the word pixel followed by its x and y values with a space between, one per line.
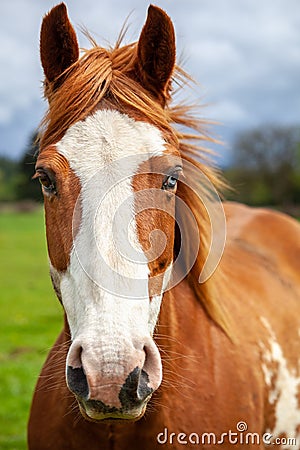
pixel 107 76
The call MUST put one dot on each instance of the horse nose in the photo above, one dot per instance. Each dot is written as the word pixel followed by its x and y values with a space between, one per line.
pixel 134 391
pixel 85 371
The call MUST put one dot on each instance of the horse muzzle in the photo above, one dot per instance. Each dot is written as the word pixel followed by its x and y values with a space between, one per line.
pixel 133 396
pixel 108 390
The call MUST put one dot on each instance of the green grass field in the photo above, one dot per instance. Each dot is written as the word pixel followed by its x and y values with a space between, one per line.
pixel 30 319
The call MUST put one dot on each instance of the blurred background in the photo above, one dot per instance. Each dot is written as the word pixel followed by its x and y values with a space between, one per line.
pixel 245 56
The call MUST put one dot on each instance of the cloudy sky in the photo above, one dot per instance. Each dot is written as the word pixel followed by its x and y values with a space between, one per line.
pixel 244 53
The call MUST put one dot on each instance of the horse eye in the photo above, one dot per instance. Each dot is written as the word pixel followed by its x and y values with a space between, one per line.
pixel 47 184
pixel 171 181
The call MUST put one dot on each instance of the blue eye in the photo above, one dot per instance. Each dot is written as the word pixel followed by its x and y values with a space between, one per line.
pixel 171 181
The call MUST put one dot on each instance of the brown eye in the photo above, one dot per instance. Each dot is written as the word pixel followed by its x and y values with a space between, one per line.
pixel 47 183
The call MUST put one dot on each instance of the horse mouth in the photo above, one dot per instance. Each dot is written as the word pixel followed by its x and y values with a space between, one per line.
pixel 94 411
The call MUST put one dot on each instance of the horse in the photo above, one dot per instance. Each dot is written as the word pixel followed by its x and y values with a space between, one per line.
pixel 181 311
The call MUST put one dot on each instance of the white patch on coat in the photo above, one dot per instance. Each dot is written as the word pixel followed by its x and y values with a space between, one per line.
pixel 285 390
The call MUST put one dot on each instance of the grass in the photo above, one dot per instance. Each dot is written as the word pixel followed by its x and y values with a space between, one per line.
pixel 30 319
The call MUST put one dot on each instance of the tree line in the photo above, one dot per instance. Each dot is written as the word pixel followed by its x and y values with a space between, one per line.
pixel 16 182
pixel 266 167
pixel 264 170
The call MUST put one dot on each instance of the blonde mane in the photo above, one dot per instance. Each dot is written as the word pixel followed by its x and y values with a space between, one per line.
pixel 105 78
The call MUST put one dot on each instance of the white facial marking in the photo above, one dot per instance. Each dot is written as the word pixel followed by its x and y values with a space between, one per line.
pixel 284 393
pixel 105 290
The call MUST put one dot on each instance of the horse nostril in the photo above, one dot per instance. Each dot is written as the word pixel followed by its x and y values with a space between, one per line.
pixel 135 389
pixel 76 378
pixel 77 382
pixel 144 390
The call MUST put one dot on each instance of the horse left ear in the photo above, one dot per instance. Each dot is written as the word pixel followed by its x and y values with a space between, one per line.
pixel 58 44
pixel 156 53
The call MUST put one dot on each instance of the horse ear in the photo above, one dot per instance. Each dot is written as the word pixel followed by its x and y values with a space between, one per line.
pixel 58 43
pixel 156 53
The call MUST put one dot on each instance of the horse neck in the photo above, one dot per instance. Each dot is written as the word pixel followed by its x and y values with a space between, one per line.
pixel 181 316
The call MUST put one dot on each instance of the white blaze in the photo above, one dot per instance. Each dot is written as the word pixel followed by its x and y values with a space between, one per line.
pixel 105 291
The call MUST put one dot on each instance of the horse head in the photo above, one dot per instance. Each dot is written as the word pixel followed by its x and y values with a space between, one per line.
pixel 108 165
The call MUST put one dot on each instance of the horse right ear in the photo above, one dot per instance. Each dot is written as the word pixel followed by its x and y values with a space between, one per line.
pixel 58 44
pixel 156 54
